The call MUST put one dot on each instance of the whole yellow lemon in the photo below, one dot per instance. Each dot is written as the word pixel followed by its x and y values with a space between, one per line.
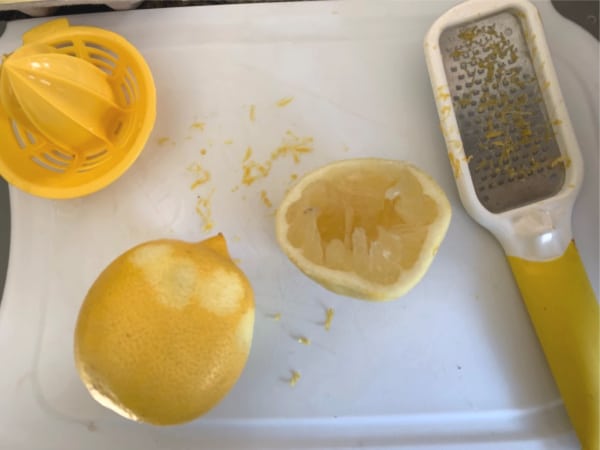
pixel 165 331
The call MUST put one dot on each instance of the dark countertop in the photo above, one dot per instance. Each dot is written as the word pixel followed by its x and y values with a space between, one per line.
pixel 583 12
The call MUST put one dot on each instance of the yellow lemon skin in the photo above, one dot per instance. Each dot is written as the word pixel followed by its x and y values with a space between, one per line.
pixel 165 331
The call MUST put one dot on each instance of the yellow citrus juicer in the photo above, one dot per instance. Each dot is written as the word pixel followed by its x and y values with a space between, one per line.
pixel 518 169
pixel 77 105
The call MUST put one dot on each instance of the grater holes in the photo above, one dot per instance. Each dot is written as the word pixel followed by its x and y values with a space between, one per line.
pixel 461 77
pixel 453 69
pixel 500 150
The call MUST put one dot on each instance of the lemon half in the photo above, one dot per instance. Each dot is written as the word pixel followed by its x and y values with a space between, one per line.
pixel 165 331
pixel 365 228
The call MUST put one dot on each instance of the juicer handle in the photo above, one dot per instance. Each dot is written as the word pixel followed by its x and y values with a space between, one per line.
pixel 564 311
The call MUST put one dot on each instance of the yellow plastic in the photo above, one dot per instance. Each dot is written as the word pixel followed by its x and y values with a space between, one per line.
pixel 565 314
pixel 77 105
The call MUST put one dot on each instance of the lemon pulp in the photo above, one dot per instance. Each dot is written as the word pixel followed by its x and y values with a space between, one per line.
pixel 368 228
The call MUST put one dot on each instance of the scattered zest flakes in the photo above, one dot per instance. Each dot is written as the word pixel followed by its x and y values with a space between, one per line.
pixel 163 140
pixel 237 261
pixel 303 340
pixel 329 318
pixel 456 143
pixel 294 145
pixel 442 93
pixel 293 177
pixel 235 188
pixel 294 378
pixel 202 175
pixel 493 134
pixel 253 171
pixel 228 142
pixel 204 210
pixel 200 181
pixel 203 151
pixel 252 113
pixel 291 144
pixel 198 126
pixel 248 154
pixel 455 163
pixel 282 102
pixel 265 199
pixel 561 160
pixel 276 316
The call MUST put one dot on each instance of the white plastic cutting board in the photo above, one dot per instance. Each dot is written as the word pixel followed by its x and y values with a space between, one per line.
pixel 453 364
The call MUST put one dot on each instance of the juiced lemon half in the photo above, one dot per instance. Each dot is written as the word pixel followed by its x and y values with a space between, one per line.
pixel 365 228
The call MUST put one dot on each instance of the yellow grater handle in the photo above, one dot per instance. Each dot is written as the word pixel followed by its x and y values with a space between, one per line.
pixel 564 312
